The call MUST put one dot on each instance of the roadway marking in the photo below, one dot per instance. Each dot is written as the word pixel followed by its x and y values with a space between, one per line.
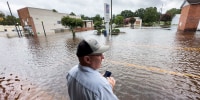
pixel 153 69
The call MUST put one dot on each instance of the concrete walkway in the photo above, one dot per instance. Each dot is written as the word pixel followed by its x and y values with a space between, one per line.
pixel 8 34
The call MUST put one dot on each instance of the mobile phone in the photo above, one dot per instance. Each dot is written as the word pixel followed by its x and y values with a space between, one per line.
pixel 107 74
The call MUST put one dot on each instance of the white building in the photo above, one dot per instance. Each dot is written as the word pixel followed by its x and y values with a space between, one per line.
pixel 138 22
pixel 175 19
pixel 41 21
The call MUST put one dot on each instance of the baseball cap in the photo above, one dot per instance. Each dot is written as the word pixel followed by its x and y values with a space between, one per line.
pixel 89 47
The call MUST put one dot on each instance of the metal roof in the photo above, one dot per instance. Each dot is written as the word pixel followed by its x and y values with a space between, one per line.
pixel 194 1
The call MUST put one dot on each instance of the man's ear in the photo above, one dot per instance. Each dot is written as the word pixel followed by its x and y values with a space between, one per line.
pixel 87 59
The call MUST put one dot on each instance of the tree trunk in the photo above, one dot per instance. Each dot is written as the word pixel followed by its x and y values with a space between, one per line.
pixel 132 26
pixel 73 33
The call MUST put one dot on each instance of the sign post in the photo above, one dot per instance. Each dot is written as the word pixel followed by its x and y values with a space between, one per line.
pixel 107 18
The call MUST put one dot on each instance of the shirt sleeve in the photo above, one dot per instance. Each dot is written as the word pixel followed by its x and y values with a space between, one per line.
pixel 106 93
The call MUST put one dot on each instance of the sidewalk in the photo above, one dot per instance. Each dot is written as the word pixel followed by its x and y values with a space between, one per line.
pixel 8 34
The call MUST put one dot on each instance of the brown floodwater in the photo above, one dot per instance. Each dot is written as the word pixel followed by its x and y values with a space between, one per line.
pixel 148 64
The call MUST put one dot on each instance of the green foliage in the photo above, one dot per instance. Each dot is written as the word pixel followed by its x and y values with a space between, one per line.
pixel 97 25
pixel 113 18
pixel 71 23
pixel 166 17
pixel 132 20
pixel 85 17
pixel 140 13
pixel 173 12
pixel 9 20
pixel 72 13
pixel 119 20
pixel 99 32
pixel 127 13
pixel 147 24
pixel 2 15
pixel 18 21
pixel 97 18
pixel 115 30
pixel 54 10
pixel 103 30
pixel 151 15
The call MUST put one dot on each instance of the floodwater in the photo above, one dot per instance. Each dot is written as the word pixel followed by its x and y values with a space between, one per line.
pixel 148 64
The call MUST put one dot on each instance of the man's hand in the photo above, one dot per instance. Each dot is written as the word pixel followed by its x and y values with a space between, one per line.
pixel 112 81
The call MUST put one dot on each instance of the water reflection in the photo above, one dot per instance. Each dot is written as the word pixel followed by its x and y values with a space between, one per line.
pixel 148 64
pixel 187 62
pixel 71 43
pixel 14 88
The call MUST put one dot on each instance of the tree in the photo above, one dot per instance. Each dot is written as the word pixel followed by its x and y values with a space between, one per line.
pixel 127 13
pixel 166 18
pixel 85 17
pixel 54 10
pixel 132 21
pixel 126 21
pixel 2 17
pixel 119 20
pixel 72 13
pixel 9 20
pixel 173 12
pixel 97 25
pixel 150 15
pixel 113 18
pixel 72 23
pixel 140 13
pixel 97 18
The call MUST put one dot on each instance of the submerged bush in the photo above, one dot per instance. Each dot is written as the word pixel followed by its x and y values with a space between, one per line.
pixel 115 31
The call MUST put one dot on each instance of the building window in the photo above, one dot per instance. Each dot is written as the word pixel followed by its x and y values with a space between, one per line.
pixel 58 22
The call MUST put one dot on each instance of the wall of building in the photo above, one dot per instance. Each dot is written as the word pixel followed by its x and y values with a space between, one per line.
pixel 25 19
pixel 49 18
pixel 8 28
pixel 138 22
pixel 190 17
pixel 34 17
pixel 175 19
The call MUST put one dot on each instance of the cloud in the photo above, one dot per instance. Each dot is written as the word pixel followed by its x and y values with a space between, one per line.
pixel 88 7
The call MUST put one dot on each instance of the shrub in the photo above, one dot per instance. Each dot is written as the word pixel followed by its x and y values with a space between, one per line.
pixel 98 32
pixel 103 30
pixel 115 30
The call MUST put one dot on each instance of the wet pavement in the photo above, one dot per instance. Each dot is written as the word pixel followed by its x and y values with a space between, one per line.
pixel 148 64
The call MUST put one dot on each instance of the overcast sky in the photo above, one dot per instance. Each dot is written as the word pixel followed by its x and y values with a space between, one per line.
pixel 88 7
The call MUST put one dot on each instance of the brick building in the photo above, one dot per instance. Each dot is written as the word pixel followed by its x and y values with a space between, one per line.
pixel 34 19
pixel 190 16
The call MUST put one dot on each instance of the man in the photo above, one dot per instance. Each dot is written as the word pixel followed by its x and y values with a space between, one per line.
pixel 83 80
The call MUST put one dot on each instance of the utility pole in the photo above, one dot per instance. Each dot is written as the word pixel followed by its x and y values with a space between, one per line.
pixel 160 13
pixel 111 19
pixel 14 20
pixel 43 29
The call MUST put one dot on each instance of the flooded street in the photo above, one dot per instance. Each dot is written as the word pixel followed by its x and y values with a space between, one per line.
pixel 148 64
